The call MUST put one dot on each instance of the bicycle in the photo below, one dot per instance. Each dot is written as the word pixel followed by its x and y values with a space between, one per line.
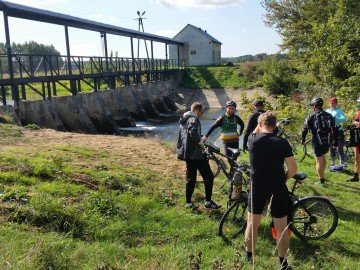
pixel 310 218
pixel 218 164
pixel 298 149
pixel 348 151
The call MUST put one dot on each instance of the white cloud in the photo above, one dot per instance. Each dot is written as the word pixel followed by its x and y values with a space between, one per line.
pixel 207 4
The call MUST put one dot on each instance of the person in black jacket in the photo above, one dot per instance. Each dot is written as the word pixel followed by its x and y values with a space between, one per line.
pixel 320 143
pixel 191 148
pixel 258 106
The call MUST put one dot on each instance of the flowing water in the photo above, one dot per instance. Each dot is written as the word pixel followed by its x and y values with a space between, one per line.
pixel 168 130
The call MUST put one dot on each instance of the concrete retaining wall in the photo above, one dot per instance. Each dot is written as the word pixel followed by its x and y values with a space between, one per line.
pixel 103 111
pixel 41 113
pixel 7 111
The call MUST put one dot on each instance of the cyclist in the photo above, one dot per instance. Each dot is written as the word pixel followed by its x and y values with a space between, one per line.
pixel 191 148
pixel 340 117
pixel 324 134
pixel 228 124
pixel 268 153
pixel 258 106
pixel 355 177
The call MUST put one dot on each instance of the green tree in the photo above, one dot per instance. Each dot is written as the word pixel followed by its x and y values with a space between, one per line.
pixel 322 36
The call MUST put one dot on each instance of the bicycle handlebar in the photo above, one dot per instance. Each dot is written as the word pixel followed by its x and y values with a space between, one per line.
pixel 283 121
pixel 212 147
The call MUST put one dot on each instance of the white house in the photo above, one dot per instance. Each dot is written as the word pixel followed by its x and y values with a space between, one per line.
pixel 200 48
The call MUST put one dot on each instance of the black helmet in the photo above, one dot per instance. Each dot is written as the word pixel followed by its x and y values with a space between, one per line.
pixel 317 102
pixel 230 103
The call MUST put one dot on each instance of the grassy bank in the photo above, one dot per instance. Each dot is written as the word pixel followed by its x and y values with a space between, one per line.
pixel 243 75
pixel 75 201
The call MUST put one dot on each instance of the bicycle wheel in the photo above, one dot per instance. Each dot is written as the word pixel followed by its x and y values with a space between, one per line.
pixel 214 166
pixel 349 155
pixel 313 218
pixel 298 149
pixel 233 221
pixel 308 147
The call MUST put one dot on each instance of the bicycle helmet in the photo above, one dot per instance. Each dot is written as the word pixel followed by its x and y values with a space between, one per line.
pixel 358 100
pixel 230 103
pixel 317 102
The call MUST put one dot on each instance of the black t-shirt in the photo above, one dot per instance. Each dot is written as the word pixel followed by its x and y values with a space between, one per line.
pixel 267 156
pixel 251 125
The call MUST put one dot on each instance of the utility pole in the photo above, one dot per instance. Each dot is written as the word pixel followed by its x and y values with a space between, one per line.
pixel 141 27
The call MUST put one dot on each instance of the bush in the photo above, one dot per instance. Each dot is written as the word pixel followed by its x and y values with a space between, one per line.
pixel 278 78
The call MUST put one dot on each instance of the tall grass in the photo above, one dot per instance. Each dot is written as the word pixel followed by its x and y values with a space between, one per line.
pixel 57 213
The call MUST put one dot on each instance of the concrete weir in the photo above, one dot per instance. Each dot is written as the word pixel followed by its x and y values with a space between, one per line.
pixel 103 111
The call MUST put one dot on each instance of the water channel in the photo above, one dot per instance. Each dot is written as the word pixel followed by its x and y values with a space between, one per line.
pixel 167 129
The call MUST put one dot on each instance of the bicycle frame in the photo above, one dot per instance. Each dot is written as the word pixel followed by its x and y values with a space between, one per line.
pixel 294 140
pixel 296 198
pixel 214 152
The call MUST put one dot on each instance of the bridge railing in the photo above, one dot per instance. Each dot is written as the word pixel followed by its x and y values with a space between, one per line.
pixel 31 65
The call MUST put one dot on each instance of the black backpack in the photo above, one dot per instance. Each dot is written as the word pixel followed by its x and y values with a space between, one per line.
pixel 354 139
pixel 322 124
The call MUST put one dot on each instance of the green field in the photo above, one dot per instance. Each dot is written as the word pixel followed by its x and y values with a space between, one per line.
pixel 75 201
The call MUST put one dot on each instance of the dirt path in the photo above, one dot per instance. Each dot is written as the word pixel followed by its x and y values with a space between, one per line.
pixel 131 151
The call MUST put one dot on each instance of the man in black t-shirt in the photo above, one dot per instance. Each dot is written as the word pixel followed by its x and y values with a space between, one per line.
pixel 268 153
pixel 252 122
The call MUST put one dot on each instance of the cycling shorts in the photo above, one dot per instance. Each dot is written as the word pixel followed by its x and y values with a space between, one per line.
pixel 320 150
pixel 278 204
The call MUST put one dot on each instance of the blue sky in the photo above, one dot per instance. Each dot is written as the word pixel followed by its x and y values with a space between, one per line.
pixel 238 24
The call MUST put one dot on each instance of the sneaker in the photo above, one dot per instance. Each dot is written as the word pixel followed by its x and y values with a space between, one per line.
pixel 247 259
pixel 190 205
pixel 353 179
pixel 212 205
pixel 286 267
pixel 321 182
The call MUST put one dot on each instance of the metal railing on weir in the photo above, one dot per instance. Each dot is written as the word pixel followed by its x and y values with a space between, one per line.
pixel 31 68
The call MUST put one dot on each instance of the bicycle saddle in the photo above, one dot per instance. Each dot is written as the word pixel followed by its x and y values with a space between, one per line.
pixel 299 176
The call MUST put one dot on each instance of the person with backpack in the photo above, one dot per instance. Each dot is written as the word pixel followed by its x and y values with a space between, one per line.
pixel 191 149
pixel 340 117
pixel 324 134
pixel 228 124
pixel 258 106
pixel 355 142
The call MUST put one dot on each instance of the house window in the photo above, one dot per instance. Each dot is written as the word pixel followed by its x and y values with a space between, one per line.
pixel 193 52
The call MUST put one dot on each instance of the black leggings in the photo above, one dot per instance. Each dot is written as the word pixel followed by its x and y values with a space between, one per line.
pixel 192 166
